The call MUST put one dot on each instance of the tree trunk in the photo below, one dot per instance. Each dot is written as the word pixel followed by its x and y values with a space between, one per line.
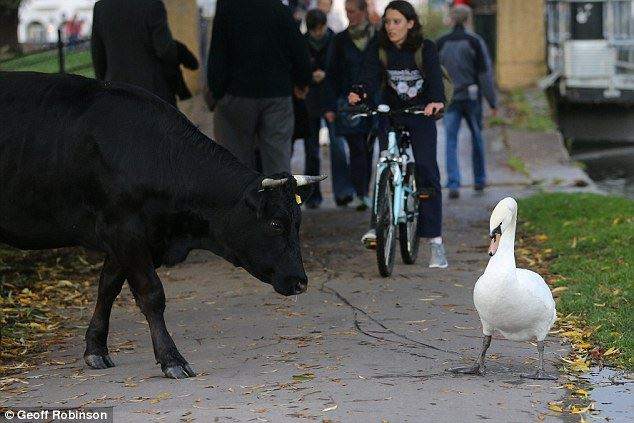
pixel 8 30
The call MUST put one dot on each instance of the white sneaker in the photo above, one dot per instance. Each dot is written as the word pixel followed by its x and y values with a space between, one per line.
pixel 438 258
pixel 369 239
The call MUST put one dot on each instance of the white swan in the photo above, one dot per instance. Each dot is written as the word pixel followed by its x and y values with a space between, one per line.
pixel 515 302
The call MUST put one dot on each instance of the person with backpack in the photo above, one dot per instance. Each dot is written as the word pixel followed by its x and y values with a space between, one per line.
pixel 406 83
pixel 467 60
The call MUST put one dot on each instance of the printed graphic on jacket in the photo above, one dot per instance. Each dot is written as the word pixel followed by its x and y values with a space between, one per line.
pixel 407 83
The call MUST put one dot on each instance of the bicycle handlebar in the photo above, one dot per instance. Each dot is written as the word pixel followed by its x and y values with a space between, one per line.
pixel 365 111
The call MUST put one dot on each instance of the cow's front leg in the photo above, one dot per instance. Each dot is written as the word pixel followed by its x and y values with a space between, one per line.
pixel 110 283
pixel 148 292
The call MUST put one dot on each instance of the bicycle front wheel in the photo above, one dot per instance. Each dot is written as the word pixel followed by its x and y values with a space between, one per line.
pixel 385 227
pixel 407 235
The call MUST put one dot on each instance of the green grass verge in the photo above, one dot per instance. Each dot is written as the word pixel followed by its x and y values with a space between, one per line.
pixel 592 241
pixel 527 109
pixel 77 62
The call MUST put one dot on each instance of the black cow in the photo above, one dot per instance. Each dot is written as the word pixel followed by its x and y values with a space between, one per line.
pixel 111 167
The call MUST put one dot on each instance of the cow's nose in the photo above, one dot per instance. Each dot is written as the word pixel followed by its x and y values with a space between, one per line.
pixel 300 287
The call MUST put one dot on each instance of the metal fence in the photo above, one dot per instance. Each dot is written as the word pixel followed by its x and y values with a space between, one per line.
pixel 65 56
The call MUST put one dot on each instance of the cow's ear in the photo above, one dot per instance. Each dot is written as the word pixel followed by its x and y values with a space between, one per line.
pixel 302 193
pixel 254 199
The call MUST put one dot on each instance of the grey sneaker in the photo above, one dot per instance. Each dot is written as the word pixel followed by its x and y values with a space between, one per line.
pixel 437 258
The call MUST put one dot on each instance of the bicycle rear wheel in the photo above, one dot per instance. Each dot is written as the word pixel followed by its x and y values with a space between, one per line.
pixel 407 235
pixel 385 227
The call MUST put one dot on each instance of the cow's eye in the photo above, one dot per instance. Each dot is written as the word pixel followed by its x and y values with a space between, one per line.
pixel 276 226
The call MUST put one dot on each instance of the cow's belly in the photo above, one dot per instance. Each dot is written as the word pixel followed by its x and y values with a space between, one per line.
pixel 30 233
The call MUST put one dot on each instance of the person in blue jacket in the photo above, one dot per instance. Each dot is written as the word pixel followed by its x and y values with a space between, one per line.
pixel 465 56
pixel 405 85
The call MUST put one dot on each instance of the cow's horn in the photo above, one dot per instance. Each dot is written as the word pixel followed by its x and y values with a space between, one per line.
pixel 273 183
pixel 308 179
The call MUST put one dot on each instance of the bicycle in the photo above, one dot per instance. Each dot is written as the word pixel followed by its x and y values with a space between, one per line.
pixel 396 196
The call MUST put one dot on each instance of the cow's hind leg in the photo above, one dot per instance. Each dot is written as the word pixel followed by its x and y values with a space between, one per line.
pixel 148 291
pixel 110 283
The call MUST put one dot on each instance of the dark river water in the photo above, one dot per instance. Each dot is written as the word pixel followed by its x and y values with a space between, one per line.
pixel 611 168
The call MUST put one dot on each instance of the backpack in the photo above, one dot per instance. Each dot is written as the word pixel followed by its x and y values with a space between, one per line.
pixel 418 58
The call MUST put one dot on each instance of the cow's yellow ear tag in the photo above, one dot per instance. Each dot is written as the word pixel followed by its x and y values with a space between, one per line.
pixel 298 199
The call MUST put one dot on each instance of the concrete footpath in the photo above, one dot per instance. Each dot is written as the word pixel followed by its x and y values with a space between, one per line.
pixel 355 348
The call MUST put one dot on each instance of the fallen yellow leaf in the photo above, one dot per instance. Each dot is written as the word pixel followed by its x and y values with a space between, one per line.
pixel 582 392
pixel 584 346
pixel 555 408
pixel 611 351
pixel 580 365
pixel 576 409
pixel 304 377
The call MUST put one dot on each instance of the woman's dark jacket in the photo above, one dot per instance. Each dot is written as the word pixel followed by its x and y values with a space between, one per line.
pixel 344 64
pixel 401 83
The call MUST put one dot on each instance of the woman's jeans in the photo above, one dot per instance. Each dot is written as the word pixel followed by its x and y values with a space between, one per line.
pixel 471 111
pixel 340 169
pixel 360 163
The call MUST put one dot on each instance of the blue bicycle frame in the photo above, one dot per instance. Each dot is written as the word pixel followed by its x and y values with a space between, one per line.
pixel 396 162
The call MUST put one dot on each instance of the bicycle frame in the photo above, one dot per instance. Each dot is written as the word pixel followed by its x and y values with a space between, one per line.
pixel 396 159
pixel 395 162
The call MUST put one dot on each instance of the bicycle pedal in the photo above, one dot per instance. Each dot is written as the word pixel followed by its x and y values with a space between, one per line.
pixel 370 244
pixel 424 196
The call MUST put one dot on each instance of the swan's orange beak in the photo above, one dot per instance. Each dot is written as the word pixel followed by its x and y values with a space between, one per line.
pixel 495 240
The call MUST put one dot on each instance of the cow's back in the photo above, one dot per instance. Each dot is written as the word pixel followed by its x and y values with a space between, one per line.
pixel 61 147
pixel 75 150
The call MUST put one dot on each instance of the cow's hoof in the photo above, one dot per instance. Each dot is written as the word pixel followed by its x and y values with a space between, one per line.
pixel 179 372
pixel 98 361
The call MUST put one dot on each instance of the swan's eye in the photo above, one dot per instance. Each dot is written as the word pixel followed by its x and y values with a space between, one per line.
pixel 497 230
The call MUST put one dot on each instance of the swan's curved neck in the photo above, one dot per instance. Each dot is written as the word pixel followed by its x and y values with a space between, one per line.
pixel 504 258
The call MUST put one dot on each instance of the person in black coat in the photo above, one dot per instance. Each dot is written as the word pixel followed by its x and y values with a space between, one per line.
pixel 318 40
pixel 132 43
pixel 257 60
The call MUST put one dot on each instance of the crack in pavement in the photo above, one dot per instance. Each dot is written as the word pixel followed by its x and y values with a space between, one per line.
pixel 336 293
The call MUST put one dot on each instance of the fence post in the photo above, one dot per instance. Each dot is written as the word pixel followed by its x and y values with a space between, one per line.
pixel 60 51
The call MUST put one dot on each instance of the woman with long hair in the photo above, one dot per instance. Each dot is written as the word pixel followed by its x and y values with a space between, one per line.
pixel 406 85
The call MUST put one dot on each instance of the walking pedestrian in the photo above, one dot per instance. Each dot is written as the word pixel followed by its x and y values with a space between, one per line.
pixel 257 58
pixel 407 85
pixel 345 61
pixel 318 39
pixel 465 56
pixel 131 42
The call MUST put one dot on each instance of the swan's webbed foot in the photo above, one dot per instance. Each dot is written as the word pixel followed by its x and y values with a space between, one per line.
pixel 538 375
pixel 476 369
